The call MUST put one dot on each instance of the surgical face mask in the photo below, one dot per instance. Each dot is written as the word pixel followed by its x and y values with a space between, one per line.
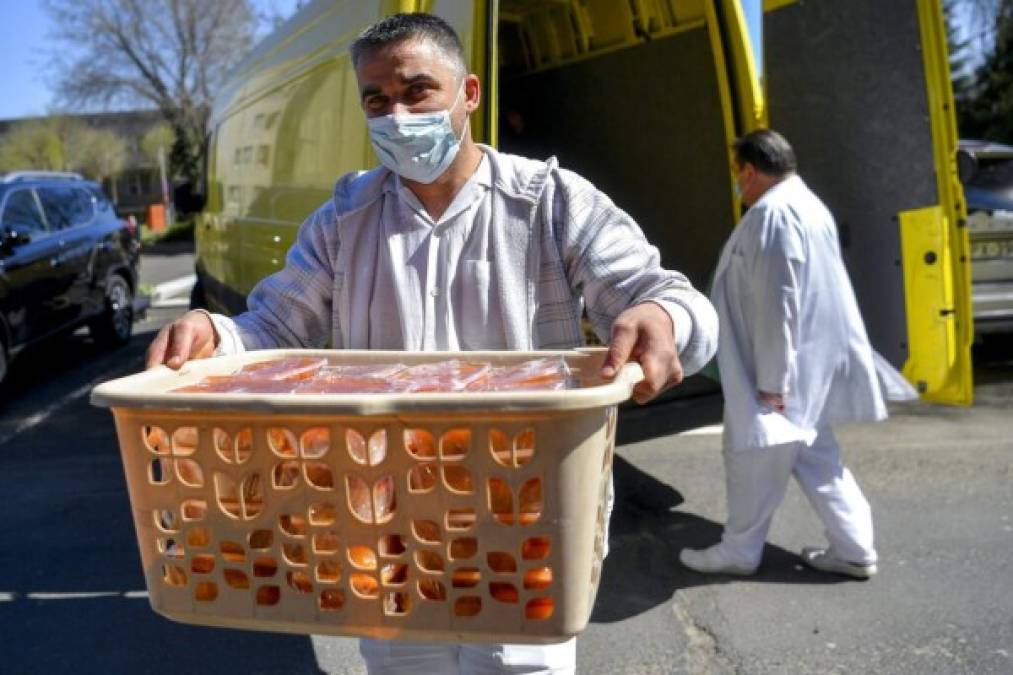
pixel 416 146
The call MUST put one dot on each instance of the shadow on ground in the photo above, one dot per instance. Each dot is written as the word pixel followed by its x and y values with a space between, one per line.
pixel 643 570
pixel 993 359
pixel 67 529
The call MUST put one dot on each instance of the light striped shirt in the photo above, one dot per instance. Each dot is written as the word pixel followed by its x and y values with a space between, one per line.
pixel 521 251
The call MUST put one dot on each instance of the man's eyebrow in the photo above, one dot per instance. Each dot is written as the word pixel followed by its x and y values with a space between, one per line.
pixel 369 90
pixel 421 77
pixel 372 89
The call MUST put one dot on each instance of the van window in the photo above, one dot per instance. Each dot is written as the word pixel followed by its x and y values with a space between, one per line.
pixel 66 206
pixel 21 212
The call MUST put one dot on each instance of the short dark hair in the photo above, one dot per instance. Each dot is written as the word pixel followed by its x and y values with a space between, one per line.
pixel 416 26
pixel 768 151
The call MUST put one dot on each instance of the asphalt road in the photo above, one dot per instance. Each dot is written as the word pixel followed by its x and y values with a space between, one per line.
pixel 940 481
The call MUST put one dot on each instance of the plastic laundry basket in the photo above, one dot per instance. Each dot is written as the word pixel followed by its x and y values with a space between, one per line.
pixel 437 516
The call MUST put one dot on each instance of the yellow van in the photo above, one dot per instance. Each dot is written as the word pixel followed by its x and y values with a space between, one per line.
pixel 643 97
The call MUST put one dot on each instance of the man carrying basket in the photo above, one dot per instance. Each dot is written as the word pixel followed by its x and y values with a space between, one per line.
pixel 451 245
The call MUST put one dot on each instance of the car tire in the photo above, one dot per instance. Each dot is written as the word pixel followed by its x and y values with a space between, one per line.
pixel 116 324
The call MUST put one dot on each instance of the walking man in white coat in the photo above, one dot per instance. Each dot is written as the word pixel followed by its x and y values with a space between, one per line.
pixel 794 359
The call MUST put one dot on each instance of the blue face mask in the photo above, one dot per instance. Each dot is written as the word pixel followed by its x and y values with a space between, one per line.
pixel 416 146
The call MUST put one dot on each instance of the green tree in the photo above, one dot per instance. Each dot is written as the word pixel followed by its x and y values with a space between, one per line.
pixel 990 114
pixel 32 144
pixel 96 153
pixel 961 66
pixel 159 137
pixel 172 54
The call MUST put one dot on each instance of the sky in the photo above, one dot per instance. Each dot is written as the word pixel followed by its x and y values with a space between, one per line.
pixel 24 30
pixel 24 40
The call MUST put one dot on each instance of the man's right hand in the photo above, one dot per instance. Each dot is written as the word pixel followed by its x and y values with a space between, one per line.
pixel 192 336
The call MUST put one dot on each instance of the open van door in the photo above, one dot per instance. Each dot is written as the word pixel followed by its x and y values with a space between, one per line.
pixel 862 90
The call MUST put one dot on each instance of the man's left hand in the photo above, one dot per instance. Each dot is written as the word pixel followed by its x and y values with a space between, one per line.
pixel 772 400
pixel 644 333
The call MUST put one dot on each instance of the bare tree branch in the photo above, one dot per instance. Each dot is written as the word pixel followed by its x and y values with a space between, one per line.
pixel 171 54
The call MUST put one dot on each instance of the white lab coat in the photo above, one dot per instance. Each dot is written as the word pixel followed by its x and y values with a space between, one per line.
pixel 790 324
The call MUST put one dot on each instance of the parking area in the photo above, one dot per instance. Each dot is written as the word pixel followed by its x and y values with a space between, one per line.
pixel 940 480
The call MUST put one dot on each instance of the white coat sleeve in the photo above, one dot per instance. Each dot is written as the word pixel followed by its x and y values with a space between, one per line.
pixel 777 264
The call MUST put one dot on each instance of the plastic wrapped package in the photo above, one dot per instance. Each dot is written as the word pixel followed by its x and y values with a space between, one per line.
pixel 308 376
pixel 548 373
pixel 450 375
pixel 297 368
pixel 357 379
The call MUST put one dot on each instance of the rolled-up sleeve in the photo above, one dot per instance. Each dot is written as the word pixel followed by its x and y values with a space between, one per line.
pixel 613 266
pixel 292 307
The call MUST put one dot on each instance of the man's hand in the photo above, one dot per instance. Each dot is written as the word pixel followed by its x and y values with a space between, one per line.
pixel 644 333
pixel 192 336
pixel 775 401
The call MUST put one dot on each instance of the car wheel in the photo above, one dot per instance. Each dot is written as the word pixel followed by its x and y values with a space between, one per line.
pixel 116 324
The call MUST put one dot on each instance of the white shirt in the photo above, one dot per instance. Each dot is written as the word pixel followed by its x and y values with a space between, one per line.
pixel 438 293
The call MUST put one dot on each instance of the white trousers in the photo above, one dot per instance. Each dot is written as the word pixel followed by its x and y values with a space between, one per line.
pixel 757 480
pixel 399 657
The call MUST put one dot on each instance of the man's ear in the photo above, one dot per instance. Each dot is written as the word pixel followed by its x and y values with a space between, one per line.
pixel 472 92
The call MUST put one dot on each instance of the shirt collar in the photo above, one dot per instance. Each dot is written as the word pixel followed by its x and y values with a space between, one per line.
pixel 474 187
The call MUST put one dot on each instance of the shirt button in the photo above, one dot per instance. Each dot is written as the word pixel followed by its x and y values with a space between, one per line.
pixel 434 292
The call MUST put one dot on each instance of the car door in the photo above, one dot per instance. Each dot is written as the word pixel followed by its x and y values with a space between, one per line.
pixel 27 260
pixel 70 213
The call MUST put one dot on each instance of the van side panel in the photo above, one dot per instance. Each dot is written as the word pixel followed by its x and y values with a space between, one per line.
pixel 846 86
pixel 287 126
pixel 645 125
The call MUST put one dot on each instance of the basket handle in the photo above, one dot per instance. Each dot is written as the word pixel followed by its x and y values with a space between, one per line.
pixel 630 374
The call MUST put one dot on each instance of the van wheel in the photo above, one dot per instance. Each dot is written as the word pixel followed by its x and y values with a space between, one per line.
pixel 116 324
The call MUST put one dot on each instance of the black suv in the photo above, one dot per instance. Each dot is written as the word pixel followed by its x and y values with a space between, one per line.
pixel 66 259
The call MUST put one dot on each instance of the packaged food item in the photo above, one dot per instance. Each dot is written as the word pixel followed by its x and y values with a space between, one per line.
pixel 450 375
pixel 312 376
pixel 302 368
pixel 545 374
pixel 369 371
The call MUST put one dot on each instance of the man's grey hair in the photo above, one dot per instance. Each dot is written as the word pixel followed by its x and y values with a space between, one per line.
pixel 419 26
pixel 768 151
